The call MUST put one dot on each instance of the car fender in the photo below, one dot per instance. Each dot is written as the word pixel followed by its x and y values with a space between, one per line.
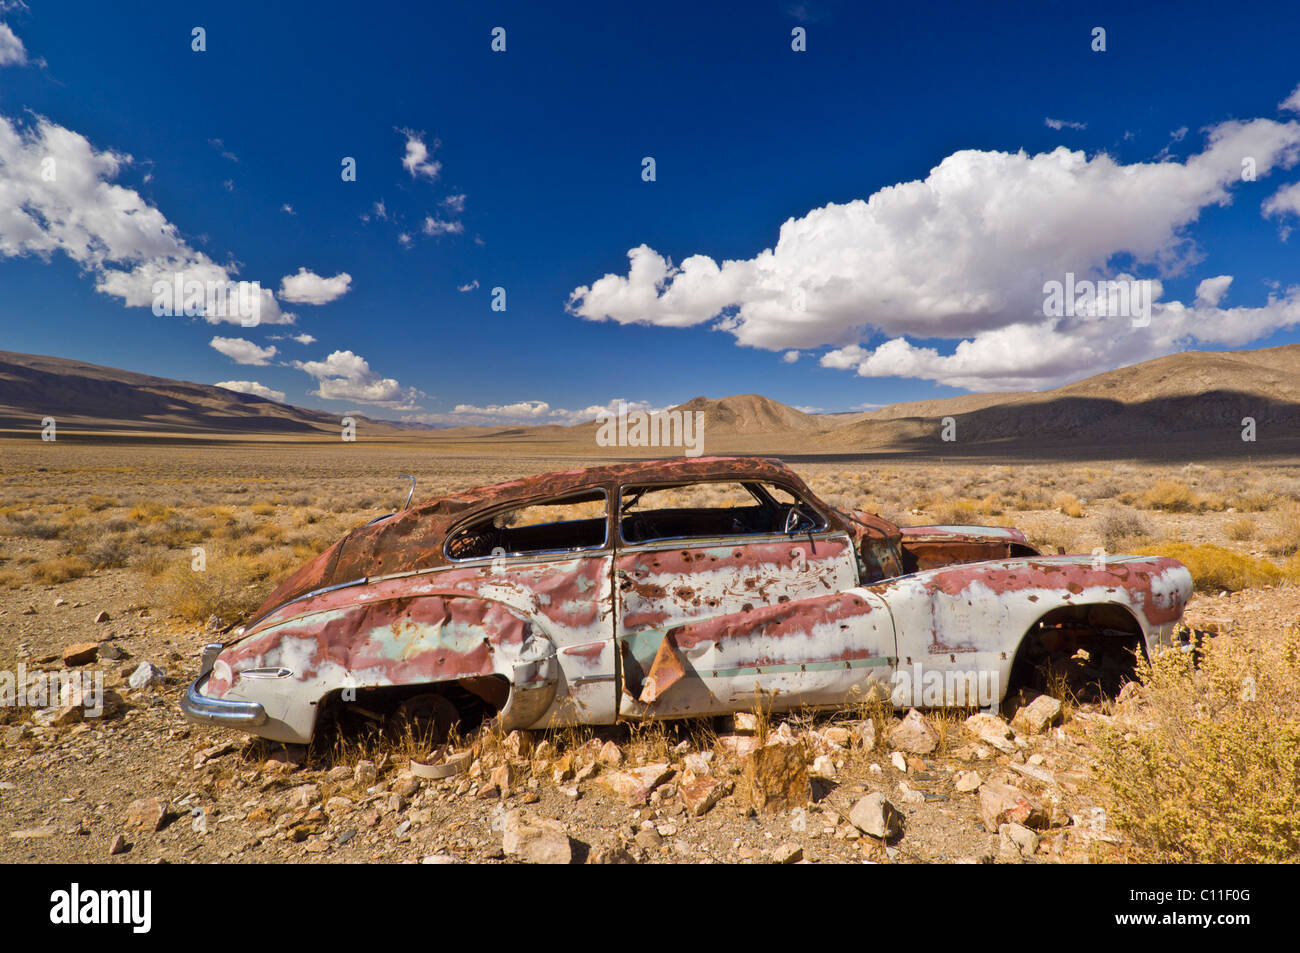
pixel 971 618
pixel 288 667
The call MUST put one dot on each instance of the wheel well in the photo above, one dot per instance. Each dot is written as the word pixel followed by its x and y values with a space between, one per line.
pixel 475 700
pixel 1087 652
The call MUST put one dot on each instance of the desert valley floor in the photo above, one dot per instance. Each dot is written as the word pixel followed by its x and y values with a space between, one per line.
pixel 95 547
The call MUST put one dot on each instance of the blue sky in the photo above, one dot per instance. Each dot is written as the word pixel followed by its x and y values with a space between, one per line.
pixel 524 171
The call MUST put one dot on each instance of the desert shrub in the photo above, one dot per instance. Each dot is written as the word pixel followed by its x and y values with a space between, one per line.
pixel 175 529
pixel 153 560
pixel 60 569
pixel 1212 773
pixel 1286 539
pixel 1068 504
pixel 1255 501
pixel 958 512
pixel 1048 539
pixel 1120 530
pixel 227 587
pixel 1240 529
pixel 1030 498
pixel 1170 496
pixel 108 552
pixel 150 511
pixel 1214 568
pixel 29 525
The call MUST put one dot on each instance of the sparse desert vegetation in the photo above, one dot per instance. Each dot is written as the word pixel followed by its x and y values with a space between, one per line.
pixel 174 541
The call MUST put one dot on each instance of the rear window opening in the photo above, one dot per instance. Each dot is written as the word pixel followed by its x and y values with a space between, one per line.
pixel 565 524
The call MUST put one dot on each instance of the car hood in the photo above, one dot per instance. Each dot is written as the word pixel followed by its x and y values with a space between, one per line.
pixel 999 534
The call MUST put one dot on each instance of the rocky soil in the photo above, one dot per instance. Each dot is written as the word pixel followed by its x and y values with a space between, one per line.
pixel 139 784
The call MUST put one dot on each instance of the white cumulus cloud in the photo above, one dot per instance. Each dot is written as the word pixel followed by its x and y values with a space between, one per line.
pixel 344 375
pixel 254 388
pixel 527 413
pixel 12 51
pixel 436 226
pixel 57 196
pixel 1211 291
pixel 1292 102
pixel 242 351
pixel 307 287
pixel 963 255
pixel 417 159
pixel 1285 201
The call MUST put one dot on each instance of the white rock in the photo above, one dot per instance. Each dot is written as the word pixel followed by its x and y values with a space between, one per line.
pixel 145 675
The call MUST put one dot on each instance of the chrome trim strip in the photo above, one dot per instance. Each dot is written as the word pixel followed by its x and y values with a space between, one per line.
pixel 585 679
pixel 199 708
pixel 307 595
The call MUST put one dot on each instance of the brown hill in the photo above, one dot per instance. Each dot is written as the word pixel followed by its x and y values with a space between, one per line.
pixel 1192 395
pixel 1186 399
pixel 82 396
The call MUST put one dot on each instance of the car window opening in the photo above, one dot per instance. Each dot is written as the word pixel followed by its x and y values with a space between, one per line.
pixel 713 509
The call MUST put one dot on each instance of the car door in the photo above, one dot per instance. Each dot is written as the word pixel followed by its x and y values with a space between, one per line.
pixel 714 561
pixel 551 558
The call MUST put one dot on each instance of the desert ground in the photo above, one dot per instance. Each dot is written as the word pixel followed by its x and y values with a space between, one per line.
pixel 97 545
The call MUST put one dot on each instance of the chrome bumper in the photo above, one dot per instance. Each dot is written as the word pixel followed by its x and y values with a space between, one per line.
pixel 218 711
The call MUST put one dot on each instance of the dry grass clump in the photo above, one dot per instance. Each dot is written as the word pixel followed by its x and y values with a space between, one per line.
pixel 1212 775
pixel 60 569
pixel 1285 540
pixel 1050 540
pixel 27 524
pixel 229 586
pixel 1240 529
pixel 1171 496
pixel 1068 504
pixel 150 511
pixel 1214 568
pixel 1255 501
pixel 958 512
pixel 1121 531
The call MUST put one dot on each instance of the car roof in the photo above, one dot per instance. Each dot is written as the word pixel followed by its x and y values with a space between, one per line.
pixel 414 537
pixel 561 482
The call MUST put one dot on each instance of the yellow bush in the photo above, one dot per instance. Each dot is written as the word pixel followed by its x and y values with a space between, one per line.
pixel 1171 496
pixel 1212 772
pixel 957 512
pixel 150 512
pixel 1214 568
pixel 1068 504
pixel 227 587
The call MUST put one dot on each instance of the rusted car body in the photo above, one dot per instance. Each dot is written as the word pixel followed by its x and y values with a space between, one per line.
pixel 635 613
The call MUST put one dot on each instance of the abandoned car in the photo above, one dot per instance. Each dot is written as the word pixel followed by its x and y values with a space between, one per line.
pixel 667 589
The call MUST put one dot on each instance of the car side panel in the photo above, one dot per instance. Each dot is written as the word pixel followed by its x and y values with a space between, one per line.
pixel 667 584
pixel 825 650
pixel 965 622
